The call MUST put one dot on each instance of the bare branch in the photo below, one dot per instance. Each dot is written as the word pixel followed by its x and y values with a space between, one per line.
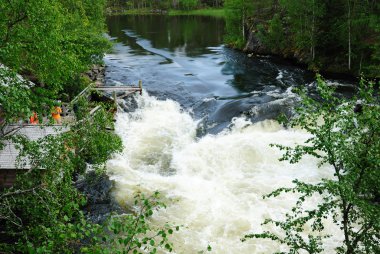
pixel 19 192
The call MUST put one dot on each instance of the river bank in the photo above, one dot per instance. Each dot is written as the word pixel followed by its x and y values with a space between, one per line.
pixel 95 185
pixel 255 47
pixel 211 12
pixel 219 13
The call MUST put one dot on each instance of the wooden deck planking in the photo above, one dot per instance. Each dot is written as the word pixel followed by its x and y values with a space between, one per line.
pixel 9 154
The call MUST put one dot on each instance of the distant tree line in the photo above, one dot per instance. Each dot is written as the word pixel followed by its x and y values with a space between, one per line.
pixel 164 4
pixel 340 36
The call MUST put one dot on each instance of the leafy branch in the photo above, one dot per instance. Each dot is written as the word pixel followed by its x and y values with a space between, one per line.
pixel 348 139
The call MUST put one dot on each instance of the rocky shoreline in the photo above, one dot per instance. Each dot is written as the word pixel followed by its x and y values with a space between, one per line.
pixel 100 201
pixel 97 187
pixel 255 47
pixel 97 74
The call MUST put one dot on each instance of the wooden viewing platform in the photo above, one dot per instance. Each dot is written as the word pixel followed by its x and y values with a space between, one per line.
pixel 8 155
pixel 118 88
pixel 126 88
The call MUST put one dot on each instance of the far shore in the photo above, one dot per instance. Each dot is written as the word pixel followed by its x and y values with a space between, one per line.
pixel 219 13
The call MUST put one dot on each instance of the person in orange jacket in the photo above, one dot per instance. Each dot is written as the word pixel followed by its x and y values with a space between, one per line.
pixel 56 113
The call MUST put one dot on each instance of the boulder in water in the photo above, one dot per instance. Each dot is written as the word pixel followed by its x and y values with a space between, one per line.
pixel 100 202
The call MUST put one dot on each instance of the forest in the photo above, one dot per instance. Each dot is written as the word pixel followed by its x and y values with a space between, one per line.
pixel 333 36
pixel 53 43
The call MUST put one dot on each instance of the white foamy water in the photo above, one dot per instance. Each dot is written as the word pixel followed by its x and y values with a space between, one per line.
pixel 216 183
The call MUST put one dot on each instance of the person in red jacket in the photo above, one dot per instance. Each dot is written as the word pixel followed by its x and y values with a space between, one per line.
pixel 33 119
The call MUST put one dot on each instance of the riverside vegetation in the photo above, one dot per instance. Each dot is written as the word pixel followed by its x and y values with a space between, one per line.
pixel 346 135
pixel 333 36
pixel 336 36
pixel 53 43
pixel 164 5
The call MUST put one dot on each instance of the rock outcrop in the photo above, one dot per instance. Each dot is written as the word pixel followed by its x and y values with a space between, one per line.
pixel 96 74
pixel 254 45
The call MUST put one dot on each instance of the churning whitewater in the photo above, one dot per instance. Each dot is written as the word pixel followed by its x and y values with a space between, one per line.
pixel 214 184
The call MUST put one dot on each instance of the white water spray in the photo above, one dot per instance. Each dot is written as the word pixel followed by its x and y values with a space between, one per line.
pixel 217 181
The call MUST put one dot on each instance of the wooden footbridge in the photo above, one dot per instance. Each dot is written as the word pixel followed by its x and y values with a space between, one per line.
pixel 114 93
pixel 8 155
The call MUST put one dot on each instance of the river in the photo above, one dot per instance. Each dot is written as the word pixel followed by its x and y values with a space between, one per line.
pixel 200 133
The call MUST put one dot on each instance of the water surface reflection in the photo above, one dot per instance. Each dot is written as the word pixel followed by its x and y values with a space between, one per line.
pixel 183 58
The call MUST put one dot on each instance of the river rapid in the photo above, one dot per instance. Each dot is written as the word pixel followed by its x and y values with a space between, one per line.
pixel 201 131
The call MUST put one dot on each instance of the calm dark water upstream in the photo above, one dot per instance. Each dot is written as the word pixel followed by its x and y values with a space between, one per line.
pixel 183 58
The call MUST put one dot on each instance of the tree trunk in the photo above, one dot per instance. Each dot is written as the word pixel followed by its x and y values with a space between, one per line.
pixel 313 34
pixel 242 23
pixel 349 34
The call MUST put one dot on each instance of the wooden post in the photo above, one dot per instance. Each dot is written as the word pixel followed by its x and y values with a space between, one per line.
pixel 115 99
pixel 64 109
pixel 140 86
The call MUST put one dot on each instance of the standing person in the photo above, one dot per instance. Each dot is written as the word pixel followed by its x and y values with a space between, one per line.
pixel 56 112
pixel 33 119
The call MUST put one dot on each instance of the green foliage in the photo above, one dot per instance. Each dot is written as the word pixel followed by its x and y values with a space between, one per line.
pixel 218 13
pixel 15 97
pixel 32 210
pixel 237 13
pixel 42 213
pixel 348 139
pixel 372 46
pixel 17 101
pixel 132 233
pixel 304 18
pixel 19 98
pixel 274 38
pixel 95 143
pixel 36 210
pixel 74 87
pixel 342 34
pixel 188 4
pixel 52 42
pixel 337 36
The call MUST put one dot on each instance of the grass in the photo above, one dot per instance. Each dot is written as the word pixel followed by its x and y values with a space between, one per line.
pixel 137 11
pixel 200 12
